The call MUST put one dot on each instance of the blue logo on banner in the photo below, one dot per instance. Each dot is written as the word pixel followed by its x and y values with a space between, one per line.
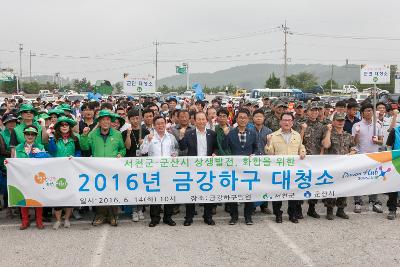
pixel 307 194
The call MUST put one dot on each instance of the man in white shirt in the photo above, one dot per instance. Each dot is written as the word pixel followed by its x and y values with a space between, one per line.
pixel 385 121
pixel 367 140
pixel 160 144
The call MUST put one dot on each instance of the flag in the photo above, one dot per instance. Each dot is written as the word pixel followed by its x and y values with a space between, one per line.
pixel 198 91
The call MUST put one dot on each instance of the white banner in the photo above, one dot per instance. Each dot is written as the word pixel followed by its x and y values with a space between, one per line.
pixel 137 181
pixel 397 81
pixel 139 85
pixel 375 74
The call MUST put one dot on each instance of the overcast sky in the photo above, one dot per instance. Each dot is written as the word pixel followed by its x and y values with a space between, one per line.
pixel 117 36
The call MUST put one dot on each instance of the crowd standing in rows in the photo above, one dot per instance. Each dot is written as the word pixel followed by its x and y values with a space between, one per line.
pixel 113 128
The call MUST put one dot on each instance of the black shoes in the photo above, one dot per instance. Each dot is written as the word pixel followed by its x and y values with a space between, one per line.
pixel 313 213
pixel 209 221
pixel 153 224
pixel 278 218
pixel 341 214
pixel 233 221
pixel 248 221
pixel 169 221
pixel 187 222
pixel 293 219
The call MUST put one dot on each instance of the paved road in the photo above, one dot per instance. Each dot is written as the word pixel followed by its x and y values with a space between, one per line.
pixel 368 239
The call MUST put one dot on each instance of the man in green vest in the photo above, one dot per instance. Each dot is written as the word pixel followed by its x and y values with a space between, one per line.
pixel 104 141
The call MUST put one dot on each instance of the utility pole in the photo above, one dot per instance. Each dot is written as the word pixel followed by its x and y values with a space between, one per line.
pixel 21 47
pixel 156 80
pixel 186 65
pixel 331 77
pixel 286 32
pixel 30 64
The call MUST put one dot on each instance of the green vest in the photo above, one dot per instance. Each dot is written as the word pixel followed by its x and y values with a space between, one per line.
pixel 65 149
pixel 19 132
pixel 20 150
pixel 110 147
pixel 6 137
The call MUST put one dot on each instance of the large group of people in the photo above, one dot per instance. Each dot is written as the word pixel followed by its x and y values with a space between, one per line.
pixel 148 127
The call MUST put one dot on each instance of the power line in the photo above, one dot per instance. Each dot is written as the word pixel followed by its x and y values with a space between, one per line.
pixel 347 36
pixel 246 54
pixel 126 51
pixel 257 33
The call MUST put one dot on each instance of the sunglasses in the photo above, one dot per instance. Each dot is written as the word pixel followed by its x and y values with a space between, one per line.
pixel 30 134
pixel 64 124
pixel 28 112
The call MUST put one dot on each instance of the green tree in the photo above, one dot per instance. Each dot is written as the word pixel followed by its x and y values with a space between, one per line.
pixel 118 88
pixel 163 89
pixel 81 85
pixel 302 80
pixel 9 87
pixel 327 85
pixel 31 87
pixel 273 82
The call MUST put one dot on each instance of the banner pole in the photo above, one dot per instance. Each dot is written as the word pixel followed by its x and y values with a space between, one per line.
pixel 374 104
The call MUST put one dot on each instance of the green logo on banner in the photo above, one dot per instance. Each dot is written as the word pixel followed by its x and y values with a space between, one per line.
pixel 61 183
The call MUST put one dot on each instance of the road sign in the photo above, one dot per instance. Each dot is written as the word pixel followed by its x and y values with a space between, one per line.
pixel 6 76
pixel 375 74
pixel 139 85
pixel 181 69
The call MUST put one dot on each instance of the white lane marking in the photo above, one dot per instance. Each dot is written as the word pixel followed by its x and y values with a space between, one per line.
pixel 288 242
pixel 98 253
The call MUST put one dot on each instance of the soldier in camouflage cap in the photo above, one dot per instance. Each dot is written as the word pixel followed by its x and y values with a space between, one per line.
pixel 314 135
pixel 272 107
pixel 321 117
pixel 339 143
pixel 266 105
pixel 273 120
pixel 299 116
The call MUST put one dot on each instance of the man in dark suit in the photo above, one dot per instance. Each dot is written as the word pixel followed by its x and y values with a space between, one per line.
pixel 241 141
pixel 198 142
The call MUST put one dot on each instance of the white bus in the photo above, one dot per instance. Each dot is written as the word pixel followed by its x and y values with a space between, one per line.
pixel 276 93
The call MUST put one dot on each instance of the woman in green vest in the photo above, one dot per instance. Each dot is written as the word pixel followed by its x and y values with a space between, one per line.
pixel 10 121
pixel 64 143
pixel 29 149
pixel 27 113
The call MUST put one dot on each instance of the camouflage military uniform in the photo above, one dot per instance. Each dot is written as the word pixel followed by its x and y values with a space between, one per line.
pixel 341 144
pixel 313 136
pixel 326 121
pixel 272 122
pixel 298 121
pixel 267 110
pixel 312 141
